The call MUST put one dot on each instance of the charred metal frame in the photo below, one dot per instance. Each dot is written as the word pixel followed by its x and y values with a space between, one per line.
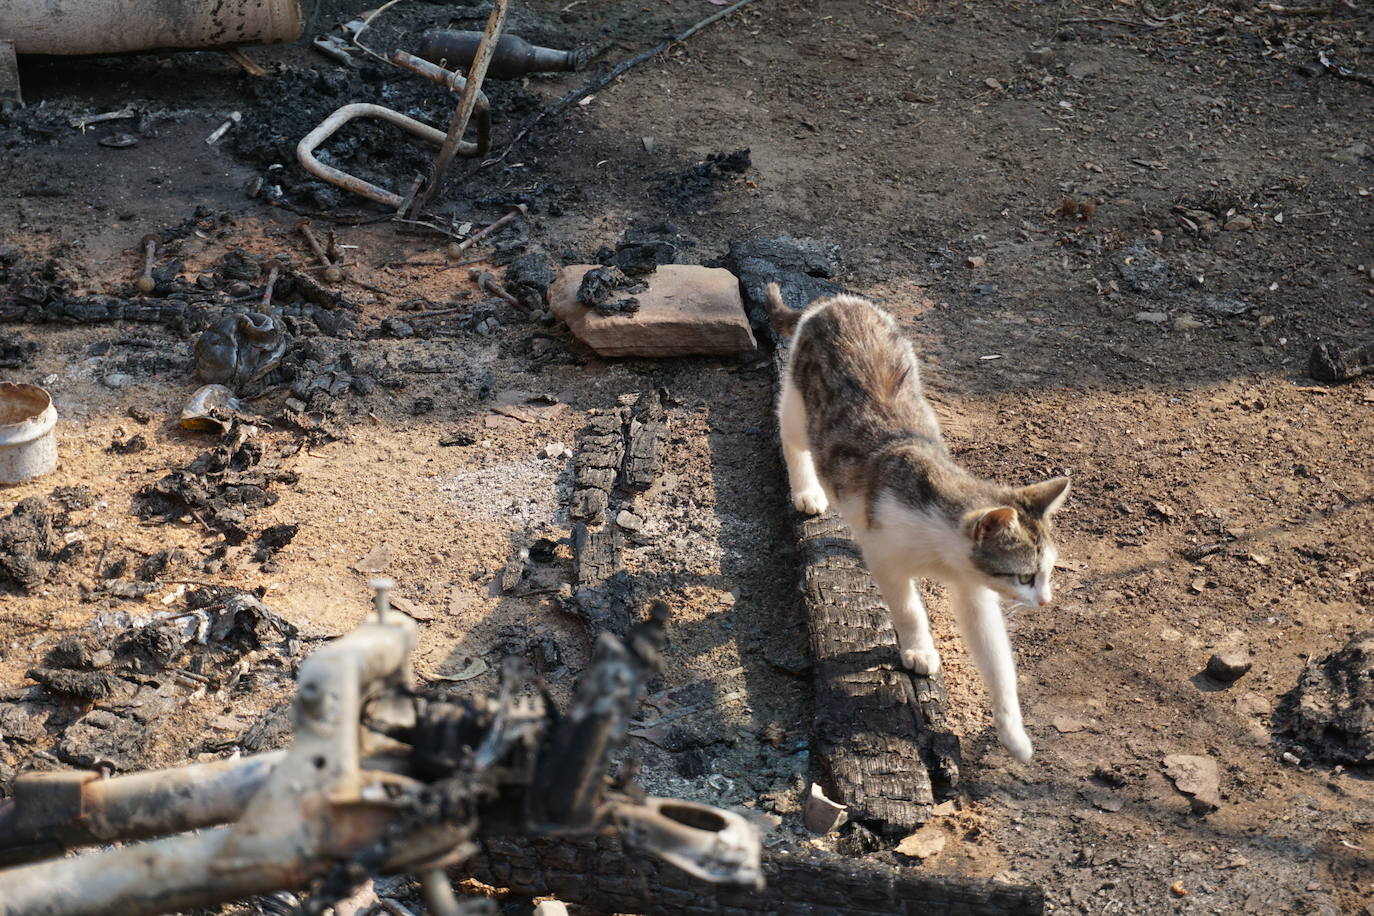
pixel 472 102
pixel 378 781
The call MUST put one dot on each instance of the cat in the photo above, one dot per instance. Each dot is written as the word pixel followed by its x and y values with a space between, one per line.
pixel 858 433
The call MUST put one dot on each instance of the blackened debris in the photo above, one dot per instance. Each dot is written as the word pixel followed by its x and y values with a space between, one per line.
pixel 1331 710
pixel 16 352
pixel 800 267
pixel 737 162
pixel 637 258
pixel 603 289
pixel 272 540
pixel 528 278
pixel 131 446
pixel 1334 362
pixel 220 488
pixel 29 543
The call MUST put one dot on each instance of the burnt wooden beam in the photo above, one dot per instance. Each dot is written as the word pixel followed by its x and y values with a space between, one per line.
pixel 598 874
pixel 619 453
pixel 880 732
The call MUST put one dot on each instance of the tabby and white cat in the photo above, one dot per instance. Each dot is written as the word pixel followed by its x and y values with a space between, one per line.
pixel 858 433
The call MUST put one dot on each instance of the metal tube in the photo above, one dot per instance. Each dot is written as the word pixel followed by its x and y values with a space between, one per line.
pixel 133 807
pixel 115 26
pixel 305 150
pixel 162 876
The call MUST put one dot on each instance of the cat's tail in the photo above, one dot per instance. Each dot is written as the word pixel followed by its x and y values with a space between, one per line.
pixel 784 319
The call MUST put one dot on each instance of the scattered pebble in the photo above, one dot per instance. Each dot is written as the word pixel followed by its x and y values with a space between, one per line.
pixel 629 521
pixel 1151 317
pixel 1066 725
pixel 1041 57
pixel 1229 665
pixel 115 380
pixel 974 261
pixel 553 450
pixel 1178 889
pixel 924 843
pixel 1186 323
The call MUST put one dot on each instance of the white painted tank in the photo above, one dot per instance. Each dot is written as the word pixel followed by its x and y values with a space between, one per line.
pixel 118 26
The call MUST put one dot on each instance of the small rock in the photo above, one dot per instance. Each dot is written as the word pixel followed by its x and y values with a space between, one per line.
pixel 1151 317
pixel 993 83
pixel 115 380
pixel 685 310
pixel 924 843
pixel 1066 725
pixel 1239 224
pixel 1224 305
pixel 376 561
pixel 975 261
pixel 820 814
pixel 629 521
pixel 1352 154
pixel 1229 665
pixel 553 450
pixel 1041 57
pixel 1197 777
pixel 1252 704
pixel 1186 323
pixel 1178 889
pixel 944 809
pixel 1197 586
pixel 1291 759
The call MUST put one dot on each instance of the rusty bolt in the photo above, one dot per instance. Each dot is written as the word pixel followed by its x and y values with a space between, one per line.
pixel 332 272
pixel 274 268
pixel 146 283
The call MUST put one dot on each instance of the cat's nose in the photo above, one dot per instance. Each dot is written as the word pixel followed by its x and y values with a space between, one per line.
pixel 1044 602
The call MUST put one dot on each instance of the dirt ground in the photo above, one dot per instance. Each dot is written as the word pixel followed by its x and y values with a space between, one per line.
pixel 1152 344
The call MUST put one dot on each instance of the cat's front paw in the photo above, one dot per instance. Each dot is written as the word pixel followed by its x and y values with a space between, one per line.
pixel 811 502
pixel 1015 740
pixel 922 661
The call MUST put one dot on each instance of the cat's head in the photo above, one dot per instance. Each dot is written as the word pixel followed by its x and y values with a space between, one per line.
pixel 1013 544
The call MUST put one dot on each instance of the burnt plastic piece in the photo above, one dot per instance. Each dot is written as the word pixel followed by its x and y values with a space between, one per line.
pixel 239 349
pixel 514 56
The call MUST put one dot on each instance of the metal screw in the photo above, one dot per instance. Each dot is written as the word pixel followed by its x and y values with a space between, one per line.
pixel 274 268
pixel 456 249
pixel 332 273
pixel 381 601
pixel 146 283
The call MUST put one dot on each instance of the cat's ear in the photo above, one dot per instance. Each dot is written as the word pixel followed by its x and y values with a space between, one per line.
pixel 1044 499
pixel 993 522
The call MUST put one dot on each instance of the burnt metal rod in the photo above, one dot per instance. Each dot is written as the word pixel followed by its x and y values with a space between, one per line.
pixel 459 125
pixel 273 270
pixel 487 281
pixel 146 283
pixel 129 807
pixel 614 73
pixel 332 273
pixel 519 210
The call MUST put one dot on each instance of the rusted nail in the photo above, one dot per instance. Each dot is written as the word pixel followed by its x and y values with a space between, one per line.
pixel 146 283
pixel 332 272
pixel 273 270
pixel 488 282
pixel 455 251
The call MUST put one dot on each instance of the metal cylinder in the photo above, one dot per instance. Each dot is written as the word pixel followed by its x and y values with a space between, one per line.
pixel 28 441
pixel 514 57
pixel 117 26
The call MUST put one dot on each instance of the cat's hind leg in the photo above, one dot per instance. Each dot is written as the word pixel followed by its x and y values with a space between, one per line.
pixel 984 630
pixel 807 494
pixel 908 612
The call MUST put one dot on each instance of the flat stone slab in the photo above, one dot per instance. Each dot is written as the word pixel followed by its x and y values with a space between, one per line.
pixel 687 310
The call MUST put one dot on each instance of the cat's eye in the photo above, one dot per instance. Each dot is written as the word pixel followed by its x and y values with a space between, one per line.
pixel 1026 580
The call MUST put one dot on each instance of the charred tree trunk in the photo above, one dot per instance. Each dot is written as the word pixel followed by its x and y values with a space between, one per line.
pixel 597 873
